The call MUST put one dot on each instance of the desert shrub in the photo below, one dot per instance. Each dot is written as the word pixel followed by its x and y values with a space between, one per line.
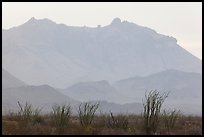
pixel 119 121
pixel 61 116
pixel 25 112
pixel 86 113
pixel 152 107
pixel 169 119
pixel 28 114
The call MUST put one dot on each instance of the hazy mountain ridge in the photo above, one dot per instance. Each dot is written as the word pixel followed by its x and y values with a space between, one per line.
pixel 14 90
pixel 183 86
pixel 61 55
pixel 45 97
pixel 95 90
pixel 133 58
pixel 10 81
pixel 125 96
pixel 39 96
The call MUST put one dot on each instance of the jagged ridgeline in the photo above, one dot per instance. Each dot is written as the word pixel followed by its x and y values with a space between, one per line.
pixel 45 63
pixel 43 52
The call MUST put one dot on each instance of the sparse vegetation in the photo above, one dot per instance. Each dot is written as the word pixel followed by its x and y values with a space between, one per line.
pixel 29 121
pixel 183 126
pixel 120 121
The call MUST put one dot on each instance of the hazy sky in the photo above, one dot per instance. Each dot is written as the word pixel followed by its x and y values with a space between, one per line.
pixel 182 20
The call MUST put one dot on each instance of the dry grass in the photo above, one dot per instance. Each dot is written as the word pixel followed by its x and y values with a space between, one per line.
pixel 12 125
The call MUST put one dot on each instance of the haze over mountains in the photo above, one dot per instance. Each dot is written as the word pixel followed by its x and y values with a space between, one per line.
pixel 10 81
pixel 95 90
pixel 185 89
pixel 116 63
pixel 44 96
pixel 182 85
pixel 44 52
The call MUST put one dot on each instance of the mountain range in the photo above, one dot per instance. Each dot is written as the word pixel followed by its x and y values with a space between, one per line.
pixel 46 63
pixel 43 52
pixel 44 97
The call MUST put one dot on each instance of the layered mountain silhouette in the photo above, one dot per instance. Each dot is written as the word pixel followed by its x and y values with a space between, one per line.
pixel 46 63
pixel 95 90
pixel 9 81
pixel 43 52
pixel 42 96
pixel 183 86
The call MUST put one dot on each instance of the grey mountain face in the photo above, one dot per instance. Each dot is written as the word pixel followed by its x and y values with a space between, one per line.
pixel 42 96
pixel 185 89
pixel 128 108
pixel 86 59
pixel 9 81
pixel 45 97
pixel 14 90
pixel 43 52
pixel 95 90
pixel 181 84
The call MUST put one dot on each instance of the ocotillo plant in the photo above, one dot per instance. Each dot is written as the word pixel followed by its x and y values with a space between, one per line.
pixel 86 113
pixel 169 119
pixel 27 113
pixel 61 115
pixel 152 107
pixel 119 121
